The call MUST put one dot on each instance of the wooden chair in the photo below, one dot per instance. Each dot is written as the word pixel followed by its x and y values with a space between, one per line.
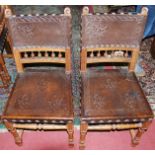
pixel 4 75
pixel 5 12
pixel 41 99
pixel 112 99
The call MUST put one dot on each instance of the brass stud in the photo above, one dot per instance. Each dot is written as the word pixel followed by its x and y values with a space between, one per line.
pixel 126 120
pixel 37 121
pixel 22 121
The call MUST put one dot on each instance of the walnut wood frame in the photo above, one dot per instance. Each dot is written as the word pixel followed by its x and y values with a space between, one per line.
pixel 21 61
pixel 136 129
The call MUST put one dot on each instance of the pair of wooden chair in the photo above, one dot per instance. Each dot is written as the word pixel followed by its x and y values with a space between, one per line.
pixel 110 99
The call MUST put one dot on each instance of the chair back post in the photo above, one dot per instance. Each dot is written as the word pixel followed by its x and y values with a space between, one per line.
pixel 85 11
pixel 67 12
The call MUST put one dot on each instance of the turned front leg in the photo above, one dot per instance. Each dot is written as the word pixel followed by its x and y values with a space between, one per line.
pixel 70 131
pixel 83 133
pixel 137 135
pixel 17 136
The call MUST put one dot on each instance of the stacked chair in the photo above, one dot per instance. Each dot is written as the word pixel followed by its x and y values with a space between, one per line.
pixel 41 99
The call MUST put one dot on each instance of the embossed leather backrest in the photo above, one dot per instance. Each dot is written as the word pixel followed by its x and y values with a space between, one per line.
pixel 35 31
pixel 112 30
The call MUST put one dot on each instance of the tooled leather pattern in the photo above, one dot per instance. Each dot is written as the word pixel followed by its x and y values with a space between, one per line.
pixel 96 30
pixel 25 27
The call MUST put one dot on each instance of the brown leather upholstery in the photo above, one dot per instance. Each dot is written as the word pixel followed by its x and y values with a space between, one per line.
pixel 40 31
pixel 112 30
pixel 113 96
pixel 41 95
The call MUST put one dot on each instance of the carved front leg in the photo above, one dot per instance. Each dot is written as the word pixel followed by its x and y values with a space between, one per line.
pixel 83 133
pixel 139 133
pixel 17 136
pixel 70 131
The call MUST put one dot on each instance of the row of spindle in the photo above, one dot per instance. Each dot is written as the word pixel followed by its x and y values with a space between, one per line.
pixel 108 54
pixel 43 54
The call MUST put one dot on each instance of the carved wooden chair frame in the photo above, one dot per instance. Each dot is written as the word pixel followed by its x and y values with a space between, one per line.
pixel 94 55
pixel 41 55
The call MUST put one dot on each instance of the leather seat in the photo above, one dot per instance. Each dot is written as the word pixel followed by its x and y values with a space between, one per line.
pixel 40 96
pixel 113 96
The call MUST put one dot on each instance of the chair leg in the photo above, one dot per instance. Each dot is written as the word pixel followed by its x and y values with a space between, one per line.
pixel 83 133
pixel 70 131
pixel 136 136
pixel 17 135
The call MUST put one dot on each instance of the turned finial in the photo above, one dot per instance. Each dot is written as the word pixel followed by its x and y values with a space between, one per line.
pixel 67 11
pixel 144 11
pixel 85 10
pixel 8 12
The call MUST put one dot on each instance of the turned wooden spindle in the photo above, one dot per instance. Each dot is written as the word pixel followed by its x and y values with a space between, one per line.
pixel 32 54
pixel 53 55
pixel 98 54
pixel 105 54
pixel 112 54
pixel 39 54
pixel 46 54
pixel 59 55
pixel 25 55
pixel 126 54
pixel 92 54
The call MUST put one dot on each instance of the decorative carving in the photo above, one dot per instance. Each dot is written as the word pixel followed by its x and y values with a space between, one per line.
pixel 23 102
pixel 26 30
pixel 8 13
pixel 97 30
pixel 27 27
pixel 67 11
pixel 85 10
pixel 144 11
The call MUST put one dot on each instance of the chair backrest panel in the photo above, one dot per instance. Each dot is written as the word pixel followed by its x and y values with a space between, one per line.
pixel 51 31
pixel 112 30
pixel 111 37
